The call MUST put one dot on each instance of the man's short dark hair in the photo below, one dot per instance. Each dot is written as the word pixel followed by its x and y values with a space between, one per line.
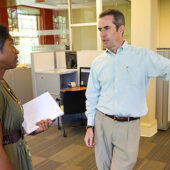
pixel 4 35
pixel 118 16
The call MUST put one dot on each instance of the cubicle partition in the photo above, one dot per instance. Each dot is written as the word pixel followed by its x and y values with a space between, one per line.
pixel 47 77
pixel 41 61
pixel 60 59
pixel 53 81
pixel 20 80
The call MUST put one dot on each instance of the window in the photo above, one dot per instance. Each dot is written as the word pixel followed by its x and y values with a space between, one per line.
pixel 23 26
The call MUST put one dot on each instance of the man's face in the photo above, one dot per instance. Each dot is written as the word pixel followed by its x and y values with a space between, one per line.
pixel 108 32
pixel 8 55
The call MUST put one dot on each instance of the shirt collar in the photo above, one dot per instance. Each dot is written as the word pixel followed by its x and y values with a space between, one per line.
pixel 121 48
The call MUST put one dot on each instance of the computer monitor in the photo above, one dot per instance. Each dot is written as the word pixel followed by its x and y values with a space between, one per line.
pixel 71 59
pixel 84 75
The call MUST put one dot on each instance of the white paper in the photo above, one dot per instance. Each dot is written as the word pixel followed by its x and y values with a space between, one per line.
pixel 42 107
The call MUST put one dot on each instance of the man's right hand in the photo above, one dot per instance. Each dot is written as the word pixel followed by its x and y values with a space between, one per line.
pixel 89 138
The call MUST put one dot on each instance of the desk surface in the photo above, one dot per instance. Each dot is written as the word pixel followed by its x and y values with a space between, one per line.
pixel 74 89
pixel 57 71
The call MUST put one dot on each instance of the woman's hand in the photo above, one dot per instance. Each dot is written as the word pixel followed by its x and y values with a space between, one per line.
pixel 43 125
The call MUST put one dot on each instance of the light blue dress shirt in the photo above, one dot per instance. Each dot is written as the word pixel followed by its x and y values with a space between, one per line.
pixel 118 82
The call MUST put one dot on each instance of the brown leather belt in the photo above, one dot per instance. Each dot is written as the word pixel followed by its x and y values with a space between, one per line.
pixel 13 136
pixel 123 119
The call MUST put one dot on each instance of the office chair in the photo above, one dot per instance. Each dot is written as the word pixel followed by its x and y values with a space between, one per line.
pixel 74 102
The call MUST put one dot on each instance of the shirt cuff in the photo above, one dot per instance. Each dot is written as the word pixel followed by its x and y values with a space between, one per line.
pixel 90 122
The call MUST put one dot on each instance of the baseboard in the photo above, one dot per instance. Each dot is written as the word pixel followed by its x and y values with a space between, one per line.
pixel 148 129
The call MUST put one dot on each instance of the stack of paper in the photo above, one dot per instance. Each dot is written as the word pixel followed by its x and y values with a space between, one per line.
pixel 40 108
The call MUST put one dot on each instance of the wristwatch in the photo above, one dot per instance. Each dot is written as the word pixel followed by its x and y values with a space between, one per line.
pixel 88 126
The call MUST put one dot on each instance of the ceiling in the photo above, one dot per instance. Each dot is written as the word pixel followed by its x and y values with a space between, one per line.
pixel 63 4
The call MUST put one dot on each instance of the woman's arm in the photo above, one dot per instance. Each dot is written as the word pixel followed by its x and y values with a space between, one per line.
pixel 4 161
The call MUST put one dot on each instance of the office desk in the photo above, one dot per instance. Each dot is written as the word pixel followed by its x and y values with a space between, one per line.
pixel 73 100
pixel 78 88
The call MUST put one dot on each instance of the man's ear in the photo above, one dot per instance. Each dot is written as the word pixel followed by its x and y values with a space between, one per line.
pixel 122 28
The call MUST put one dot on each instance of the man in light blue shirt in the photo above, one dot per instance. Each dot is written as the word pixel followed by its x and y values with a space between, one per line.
pixel 116 94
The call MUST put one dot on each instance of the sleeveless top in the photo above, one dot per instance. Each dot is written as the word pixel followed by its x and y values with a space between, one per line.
pixel 11 118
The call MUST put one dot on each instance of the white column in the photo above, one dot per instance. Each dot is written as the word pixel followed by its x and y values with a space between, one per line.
pixel 98 11
pixel 69 23
pixel 144 34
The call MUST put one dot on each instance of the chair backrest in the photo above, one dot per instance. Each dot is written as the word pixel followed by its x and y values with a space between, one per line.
pixel 74 102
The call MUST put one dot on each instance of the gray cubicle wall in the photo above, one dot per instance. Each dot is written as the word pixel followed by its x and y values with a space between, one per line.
pixel 41 61
pixel 20 80
pixel 163 98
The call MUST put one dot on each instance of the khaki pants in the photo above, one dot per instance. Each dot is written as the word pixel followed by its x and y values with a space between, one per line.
pixel 117 143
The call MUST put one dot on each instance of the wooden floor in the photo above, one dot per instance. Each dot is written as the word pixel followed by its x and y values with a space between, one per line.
pixel 51 151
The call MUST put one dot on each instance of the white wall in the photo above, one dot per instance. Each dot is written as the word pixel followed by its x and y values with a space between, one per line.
pixel 164 24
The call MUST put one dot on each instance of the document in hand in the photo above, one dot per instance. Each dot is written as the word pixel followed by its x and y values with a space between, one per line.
pixel 42 107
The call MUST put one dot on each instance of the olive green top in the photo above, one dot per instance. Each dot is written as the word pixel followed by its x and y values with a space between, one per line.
pixel 11 117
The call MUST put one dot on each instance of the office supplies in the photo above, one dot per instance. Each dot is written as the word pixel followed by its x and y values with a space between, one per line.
pixel 72 84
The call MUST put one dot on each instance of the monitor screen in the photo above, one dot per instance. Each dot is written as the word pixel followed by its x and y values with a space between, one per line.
pixel 71 60
pixel 84 75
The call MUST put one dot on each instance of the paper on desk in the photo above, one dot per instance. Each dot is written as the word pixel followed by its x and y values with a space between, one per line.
pixel 42 107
